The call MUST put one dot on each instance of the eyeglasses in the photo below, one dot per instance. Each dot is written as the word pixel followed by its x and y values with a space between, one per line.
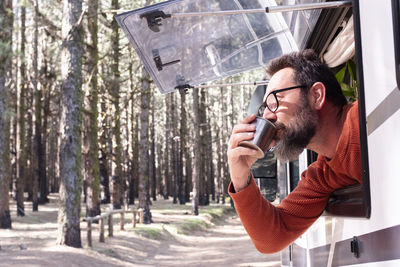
pixel 272 102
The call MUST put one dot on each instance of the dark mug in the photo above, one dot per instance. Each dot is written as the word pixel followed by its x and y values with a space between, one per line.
pixel 265 132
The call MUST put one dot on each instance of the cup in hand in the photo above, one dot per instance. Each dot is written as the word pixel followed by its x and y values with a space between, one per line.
pixel 265 131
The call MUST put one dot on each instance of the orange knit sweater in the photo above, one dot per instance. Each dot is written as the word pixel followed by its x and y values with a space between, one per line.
pixel 274 228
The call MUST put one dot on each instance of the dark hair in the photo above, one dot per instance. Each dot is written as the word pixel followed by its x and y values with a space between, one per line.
pixel 308 69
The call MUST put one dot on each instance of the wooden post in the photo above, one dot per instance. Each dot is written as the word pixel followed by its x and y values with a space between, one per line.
pixel 121 221
pixel 110 225
pixel 134 219
pixel 89 233
pixel 141 217
pixel 101 230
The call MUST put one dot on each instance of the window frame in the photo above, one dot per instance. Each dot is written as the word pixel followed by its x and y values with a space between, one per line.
pixel 396 38
pixel 355 201
pixel 352 201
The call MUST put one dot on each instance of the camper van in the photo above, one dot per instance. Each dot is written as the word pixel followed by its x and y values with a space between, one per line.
pixel 359 39
pixel 361 224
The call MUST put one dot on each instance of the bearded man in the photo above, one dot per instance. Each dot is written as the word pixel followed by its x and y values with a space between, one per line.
pixel 306 103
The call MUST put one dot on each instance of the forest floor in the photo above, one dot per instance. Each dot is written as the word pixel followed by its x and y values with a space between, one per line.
pixel 175 238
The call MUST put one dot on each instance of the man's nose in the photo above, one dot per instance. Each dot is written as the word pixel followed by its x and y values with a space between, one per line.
pixel 271 116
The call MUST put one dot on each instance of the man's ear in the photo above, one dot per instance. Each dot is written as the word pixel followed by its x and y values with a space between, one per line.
pixel 317 95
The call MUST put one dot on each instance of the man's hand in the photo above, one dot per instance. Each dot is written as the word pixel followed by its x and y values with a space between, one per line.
pixel 241 158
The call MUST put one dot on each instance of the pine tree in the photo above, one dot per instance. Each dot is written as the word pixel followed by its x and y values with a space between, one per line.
pixel 71 124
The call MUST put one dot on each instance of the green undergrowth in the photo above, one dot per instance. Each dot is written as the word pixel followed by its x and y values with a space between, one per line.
pixel 190 226
pixel 187 224
pixel 207 218
pixel 154 233
pixel 109 253
pixel 217 215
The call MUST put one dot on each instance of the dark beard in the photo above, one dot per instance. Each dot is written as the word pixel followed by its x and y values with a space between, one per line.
pixel 297 135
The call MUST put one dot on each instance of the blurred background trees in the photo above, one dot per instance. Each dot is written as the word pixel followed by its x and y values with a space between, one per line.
pixel 80 116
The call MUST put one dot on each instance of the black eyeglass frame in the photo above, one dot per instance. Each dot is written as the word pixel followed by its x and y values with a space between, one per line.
pixel 264 104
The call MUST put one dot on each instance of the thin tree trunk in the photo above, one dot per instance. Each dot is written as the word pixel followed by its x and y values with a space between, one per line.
pixel 35 146
pixel 39 133
pixel 136 158
pixel 93 170
pixel 196 148
pixel 160 166
pixel 167 175
pixel 118 176
pixel 21 120
pixel 211 184
pixel 174 149
pixel 144 149
pixel 29 148
pixel 135 155
pixel 224 145
pixel 103 161
pixel 219 162
pixel 5 163
pixel 153 152
pixel 184 155
pixel 132 170
pixel 204 167
pixel 46 88
pixel 71 124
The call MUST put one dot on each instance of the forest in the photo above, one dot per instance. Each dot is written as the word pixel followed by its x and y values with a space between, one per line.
pixel 80 116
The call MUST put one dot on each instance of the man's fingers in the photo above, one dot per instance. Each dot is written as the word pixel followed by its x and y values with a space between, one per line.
pixel 239 137
pixel 243 128
pixel 249 119
pixel 241 151
pixel 245 125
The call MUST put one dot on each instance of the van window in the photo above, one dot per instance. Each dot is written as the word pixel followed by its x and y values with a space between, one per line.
pixel 354 201
pixel 264 172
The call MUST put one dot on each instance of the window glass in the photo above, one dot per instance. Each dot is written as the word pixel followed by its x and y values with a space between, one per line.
pixel 294 174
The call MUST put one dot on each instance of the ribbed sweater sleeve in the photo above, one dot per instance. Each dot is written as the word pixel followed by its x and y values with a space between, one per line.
pixel 272 228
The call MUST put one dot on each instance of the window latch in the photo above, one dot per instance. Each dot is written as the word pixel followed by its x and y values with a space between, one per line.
pixel 355 247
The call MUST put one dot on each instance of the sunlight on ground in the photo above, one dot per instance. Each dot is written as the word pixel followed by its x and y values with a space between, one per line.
pixel 221 241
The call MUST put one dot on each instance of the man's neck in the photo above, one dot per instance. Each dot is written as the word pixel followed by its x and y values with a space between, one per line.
pixel 328 132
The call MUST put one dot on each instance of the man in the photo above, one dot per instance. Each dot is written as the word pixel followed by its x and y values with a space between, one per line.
pixel 306 103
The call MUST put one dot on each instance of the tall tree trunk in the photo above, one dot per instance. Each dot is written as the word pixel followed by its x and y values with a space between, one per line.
pixel 167 172
pixel 93 171
pixel 39 130
pixel 204 167
pixel 219 161
pixel 54 152
pixel 160 167
pixel 5 59
pixel 135 154
pixel 135 160
pixel 196 148
pixel 118 176
pixel 29 148
pixel 104 159
pixel 21 120
pixel 133 168
pixel 211 176
pixel 174 150
pixel 153 152
pixel 46 81
pixel 184 155
pixel 36 136
pixel 71 123
pixel 224 145
pixel 144 148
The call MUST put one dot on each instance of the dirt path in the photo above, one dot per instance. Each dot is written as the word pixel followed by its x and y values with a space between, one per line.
pixel 221 242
